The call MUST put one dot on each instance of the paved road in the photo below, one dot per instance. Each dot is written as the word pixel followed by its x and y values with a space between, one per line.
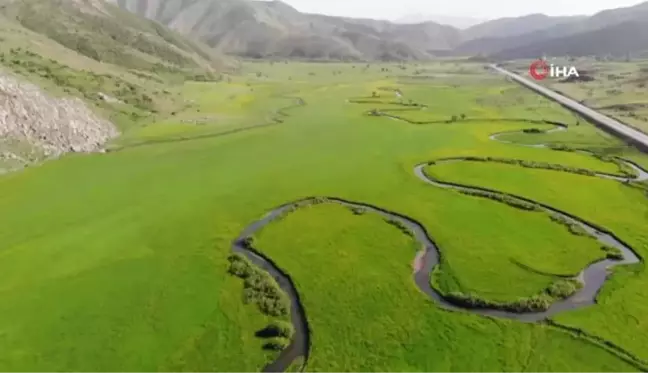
pixel 614 125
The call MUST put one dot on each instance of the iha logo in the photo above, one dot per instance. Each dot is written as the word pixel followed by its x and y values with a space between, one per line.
pixel 540 70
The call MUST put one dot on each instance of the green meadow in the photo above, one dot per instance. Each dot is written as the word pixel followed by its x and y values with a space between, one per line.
pixel 366 314
pixel 118 261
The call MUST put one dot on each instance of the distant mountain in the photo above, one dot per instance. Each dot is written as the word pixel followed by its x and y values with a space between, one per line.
pixel 506 27
pixel 266 29
pixel 607 32
pixel 616 40
pixel 457 22
pixel 263 29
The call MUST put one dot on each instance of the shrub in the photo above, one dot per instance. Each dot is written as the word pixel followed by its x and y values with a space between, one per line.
pixel 564 288
pixel 259 287
pixel 318 200
pixel 240 266
pixel 535 303
pixel 275 306
pixel 247 242
pixel 612 253
pixel 561 147
pixel 574 228
pixel 358 210
pixel 511 201
pixel 532 130
pixel 276 344
pixel 279 328
pixel 532 164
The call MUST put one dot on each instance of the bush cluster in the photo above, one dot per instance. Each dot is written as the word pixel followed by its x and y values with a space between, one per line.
pixel 560 289
pixel 276 344
pixel 536 303
pixel 533 164
pixel 358 210
pixel 564 288
pixel 612 252
pixel 259 287
pixel 246 243
pixel 511 201
pixel 281 329
pixel 573 227
pixel 561 147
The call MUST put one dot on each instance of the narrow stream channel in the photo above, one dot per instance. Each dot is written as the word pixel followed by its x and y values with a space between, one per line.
pixel 593 277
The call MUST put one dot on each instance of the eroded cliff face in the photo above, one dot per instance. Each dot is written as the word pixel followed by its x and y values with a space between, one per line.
pixel 35 125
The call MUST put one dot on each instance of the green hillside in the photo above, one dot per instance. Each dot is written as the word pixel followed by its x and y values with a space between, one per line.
pixel 127 68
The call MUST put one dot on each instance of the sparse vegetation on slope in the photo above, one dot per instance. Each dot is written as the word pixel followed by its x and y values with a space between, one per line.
pixel 105 33
pixel 126 69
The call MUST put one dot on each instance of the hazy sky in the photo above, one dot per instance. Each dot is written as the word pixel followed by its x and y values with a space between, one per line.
pixel 392 9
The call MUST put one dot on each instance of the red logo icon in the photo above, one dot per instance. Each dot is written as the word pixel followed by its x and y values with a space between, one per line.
pixel 536 66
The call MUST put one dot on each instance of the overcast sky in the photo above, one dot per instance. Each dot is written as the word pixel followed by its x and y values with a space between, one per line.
pixel 393 9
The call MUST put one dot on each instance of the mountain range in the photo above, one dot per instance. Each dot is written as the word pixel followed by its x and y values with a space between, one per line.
pixel 274 29
pixel 266 29
pixel 461 23
pixel 262 29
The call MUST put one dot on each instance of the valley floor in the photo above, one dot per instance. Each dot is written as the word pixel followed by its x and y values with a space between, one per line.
pixel 119 261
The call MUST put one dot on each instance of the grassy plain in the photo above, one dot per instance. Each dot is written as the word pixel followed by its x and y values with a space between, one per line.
pixel 366 314
pixel 583 196
pixel 118 261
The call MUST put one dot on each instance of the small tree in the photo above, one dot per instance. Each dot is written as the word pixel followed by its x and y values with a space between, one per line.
pixel 463 116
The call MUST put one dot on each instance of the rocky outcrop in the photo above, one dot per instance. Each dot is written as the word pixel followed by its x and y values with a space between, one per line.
pixel 36 126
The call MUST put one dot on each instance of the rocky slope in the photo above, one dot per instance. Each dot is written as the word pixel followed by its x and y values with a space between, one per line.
pixel 35 126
